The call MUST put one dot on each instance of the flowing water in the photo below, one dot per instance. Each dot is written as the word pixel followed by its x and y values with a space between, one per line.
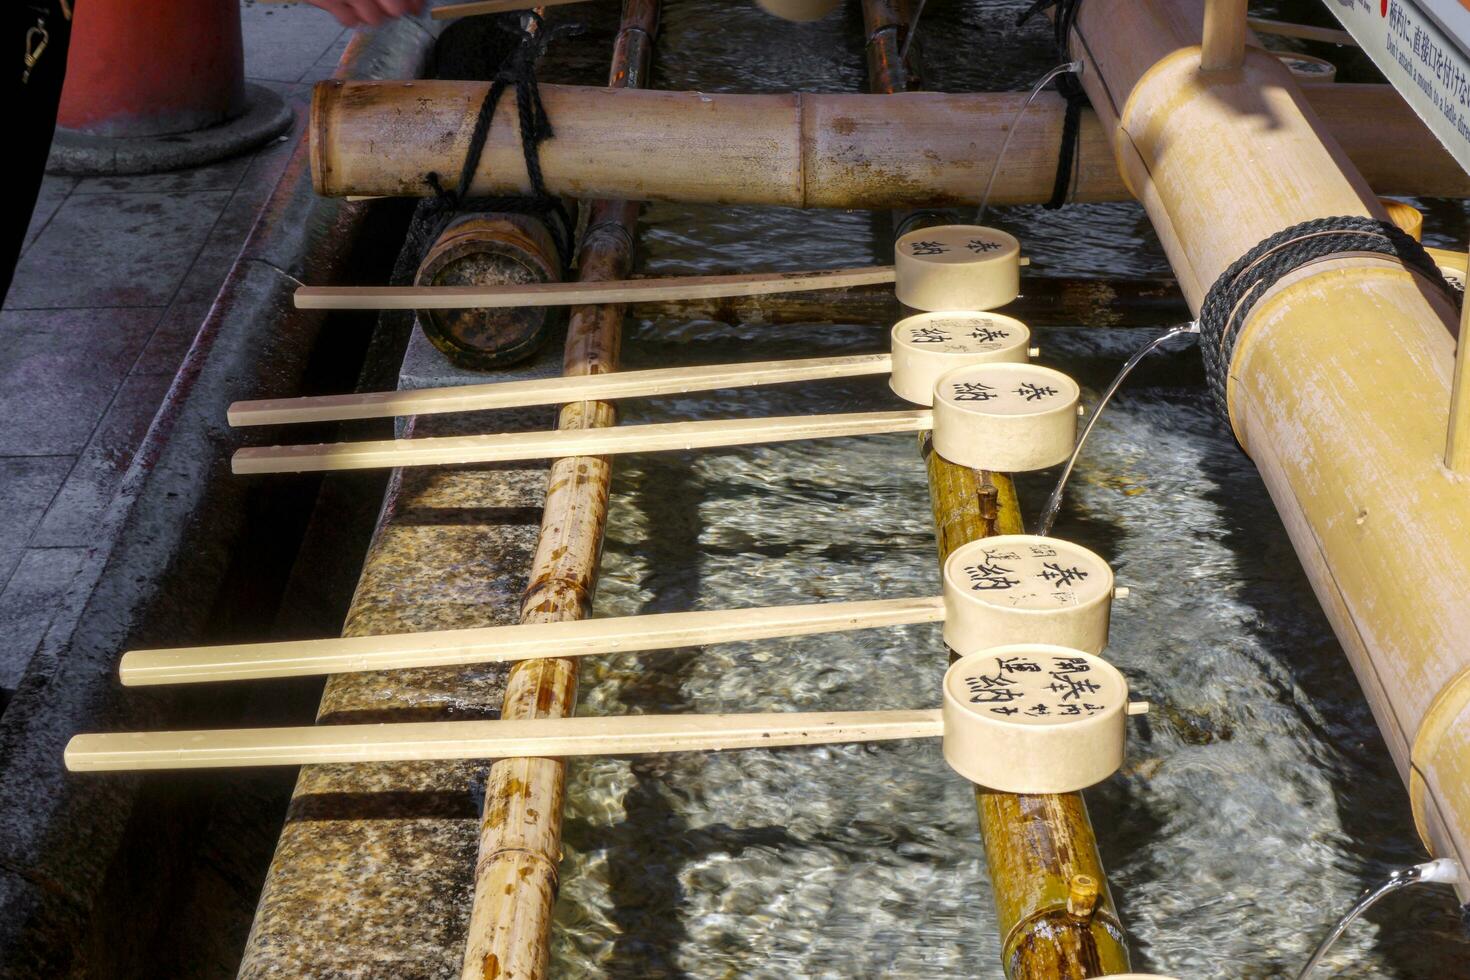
pixel 1258 799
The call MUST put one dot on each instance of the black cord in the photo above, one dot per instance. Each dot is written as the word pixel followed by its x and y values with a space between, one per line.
pixel 517 71
pixel 1070 89
pixel 1230 300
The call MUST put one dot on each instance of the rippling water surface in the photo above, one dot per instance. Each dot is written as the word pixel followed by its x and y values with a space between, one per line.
pixel 1258 799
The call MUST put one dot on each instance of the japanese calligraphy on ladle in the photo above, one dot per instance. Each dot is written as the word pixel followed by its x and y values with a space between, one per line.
pixel 1046 574
pixel 1039 687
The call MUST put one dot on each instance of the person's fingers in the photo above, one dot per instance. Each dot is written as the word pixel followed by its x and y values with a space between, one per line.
pixel 370 11
pixel 355 13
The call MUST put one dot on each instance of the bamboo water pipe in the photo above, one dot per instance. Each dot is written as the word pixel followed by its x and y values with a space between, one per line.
pixel 799 150
pixel 516 877
pixel 1035 846
pixel 1223 45
pixel 1347 426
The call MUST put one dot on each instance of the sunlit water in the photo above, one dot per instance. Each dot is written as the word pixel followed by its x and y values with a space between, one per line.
pixel 1257 800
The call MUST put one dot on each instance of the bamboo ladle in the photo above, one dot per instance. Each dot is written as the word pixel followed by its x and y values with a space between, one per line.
pixel 994 593
pixel 1029 717
pixel 1008 417
pixel 925 347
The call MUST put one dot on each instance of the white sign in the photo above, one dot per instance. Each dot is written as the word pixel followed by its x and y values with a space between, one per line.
pixel 1420 46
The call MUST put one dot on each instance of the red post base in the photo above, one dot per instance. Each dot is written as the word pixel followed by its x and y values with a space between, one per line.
pixel 153 69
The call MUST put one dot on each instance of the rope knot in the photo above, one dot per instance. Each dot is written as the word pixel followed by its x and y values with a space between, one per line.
pixel 517 71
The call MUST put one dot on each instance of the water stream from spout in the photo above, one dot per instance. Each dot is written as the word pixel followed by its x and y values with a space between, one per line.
pixel 1054 502
pixel 1016 121
pixel 1444 870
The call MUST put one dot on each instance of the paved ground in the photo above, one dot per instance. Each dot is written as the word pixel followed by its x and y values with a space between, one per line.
pixel 117 274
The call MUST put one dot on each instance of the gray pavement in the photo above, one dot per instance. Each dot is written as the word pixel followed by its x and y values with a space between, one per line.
pixel 115 279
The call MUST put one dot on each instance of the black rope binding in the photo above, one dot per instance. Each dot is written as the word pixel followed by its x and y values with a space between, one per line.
pixel 517 71
pixel 1235 293
pixel 1070 89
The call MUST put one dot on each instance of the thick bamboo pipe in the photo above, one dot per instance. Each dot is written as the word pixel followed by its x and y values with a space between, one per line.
pixel 516 879
pixel 487 249
pixel 799 150
pixel 1347 425
pixel 545 738
pixel 523 641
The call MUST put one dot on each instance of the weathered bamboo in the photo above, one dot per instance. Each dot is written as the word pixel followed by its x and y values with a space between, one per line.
pixel 1345 425
pixel 801 150
pixel 546 738
pixel 520 833
pixel 1045 301
pixel 521 641
pixel 891 68
pixel 1034 845
pixel 488 249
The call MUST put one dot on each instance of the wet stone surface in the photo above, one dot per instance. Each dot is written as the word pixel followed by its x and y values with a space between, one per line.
pixel 372 874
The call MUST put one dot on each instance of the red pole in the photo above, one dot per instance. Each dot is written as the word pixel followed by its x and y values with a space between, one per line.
pixel 153 68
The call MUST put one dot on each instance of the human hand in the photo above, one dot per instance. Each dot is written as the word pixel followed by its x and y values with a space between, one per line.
pixel 355 13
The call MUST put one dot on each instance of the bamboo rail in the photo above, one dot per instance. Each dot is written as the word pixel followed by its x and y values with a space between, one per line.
pixel 478 7
pixel 1037 848
pixel 520 833
pixel 1345 426
pixel 918 149
pixel 1305 32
